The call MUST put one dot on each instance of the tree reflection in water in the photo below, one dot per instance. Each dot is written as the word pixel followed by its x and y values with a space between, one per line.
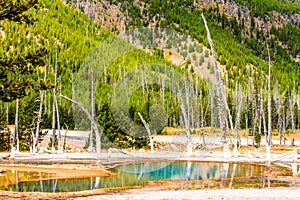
pixel 139 174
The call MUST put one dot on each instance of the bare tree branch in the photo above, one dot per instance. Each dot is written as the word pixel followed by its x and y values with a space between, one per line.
pixel 95 127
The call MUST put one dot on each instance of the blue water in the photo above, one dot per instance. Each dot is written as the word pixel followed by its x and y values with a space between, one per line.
pixel 139 175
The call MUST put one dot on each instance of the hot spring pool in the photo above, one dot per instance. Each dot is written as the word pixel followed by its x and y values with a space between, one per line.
pixel 139 174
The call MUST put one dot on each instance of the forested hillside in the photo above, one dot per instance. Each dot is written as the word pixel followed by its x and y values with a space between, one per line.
pixel 245 33
pixel 68 36
pixel 261 8
pixel 241 29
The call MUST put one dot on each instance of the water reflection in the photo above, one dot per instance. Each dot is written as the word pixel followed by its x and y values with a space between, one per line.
pixel 223 174
pixel 16 177
pixel 188 170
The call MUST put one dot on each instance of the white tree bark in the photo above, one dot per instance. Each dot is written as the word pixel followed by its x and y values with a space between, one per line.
pixel 60 150
pixel 187 124
pixel 277 100
pixel 36 138
pixel 53 124
pixel 93 124
pixel 148 131
pixel 55 104
pixel 17 126
pixel 269 103
pixel 221 94
pixel 239 100
pixel 15 133
pixel 255 116
pixel 95 127
pixel 247 109
pixel 237 119
pixel 292 117
pixel 202 119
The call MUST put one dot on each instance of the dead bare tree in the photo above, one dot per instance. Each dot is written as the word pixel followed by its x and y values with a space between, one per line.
pixel 248 101
pixel 203 112
pixel 277 100
pixel 53 125
pixel 190 86
pixel 56 105
pixel 55 114
pixel 260 101
pixel 15 137
pixel 36 137
pixel 239 100
pixel 285 120
pixel 186 123
pixel 264 117
pixel 95 127
pixel 220 91
pixel 148 131
pixel 58 125
pixel 91 143
pixel 255 116
pixel 269 140
pixel 292 116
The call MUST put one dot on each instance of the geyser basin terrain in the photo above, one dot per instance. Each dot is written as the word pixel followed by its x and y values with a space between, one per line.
pixel 139 174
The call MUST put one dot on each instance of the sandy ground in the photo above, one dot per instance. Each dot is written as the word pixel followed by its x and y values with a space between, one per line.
pixel 67 165
pixel 61 171
pixel 61 195
pixel 85 164
pixel 204 194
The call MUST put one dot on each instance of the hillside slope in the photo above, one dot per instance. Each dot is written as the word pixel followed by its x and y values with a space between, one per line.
pixel 241 30
pixel 241 37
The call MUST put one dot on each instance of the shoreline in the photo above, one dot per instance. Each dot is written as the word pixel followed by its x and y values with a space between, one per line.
pixel 61 171
pixel 80 165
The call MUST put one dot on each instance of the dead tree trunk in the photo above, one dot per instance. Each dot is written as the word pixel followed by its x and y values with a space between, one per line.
pixel 264 121
pixel 53 125
pixel 221 94
pixel 93 124
pixel 261 113
pixel 255 116
pixel 15 137
pixel 278 110
pixel 239 99
pixel 269 102
pixel 95 127
pixel 60 150
pixel 55 103
pixel 247 108
pixel 202 119
pixel 285 122
pixel 292 116
pixel 91 142
pixel 148 131
pixel 36 138
pixel 17 125
pixel 187 124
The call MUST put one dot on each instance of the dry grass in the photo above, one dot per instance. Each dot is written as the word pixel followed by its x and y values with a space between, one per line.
pixel 208 130
pixel 176 131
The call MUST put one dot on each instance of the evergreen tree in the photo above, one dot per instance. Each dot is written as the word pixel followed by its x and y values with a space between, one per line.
pixel 17 64
pixel 4 135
